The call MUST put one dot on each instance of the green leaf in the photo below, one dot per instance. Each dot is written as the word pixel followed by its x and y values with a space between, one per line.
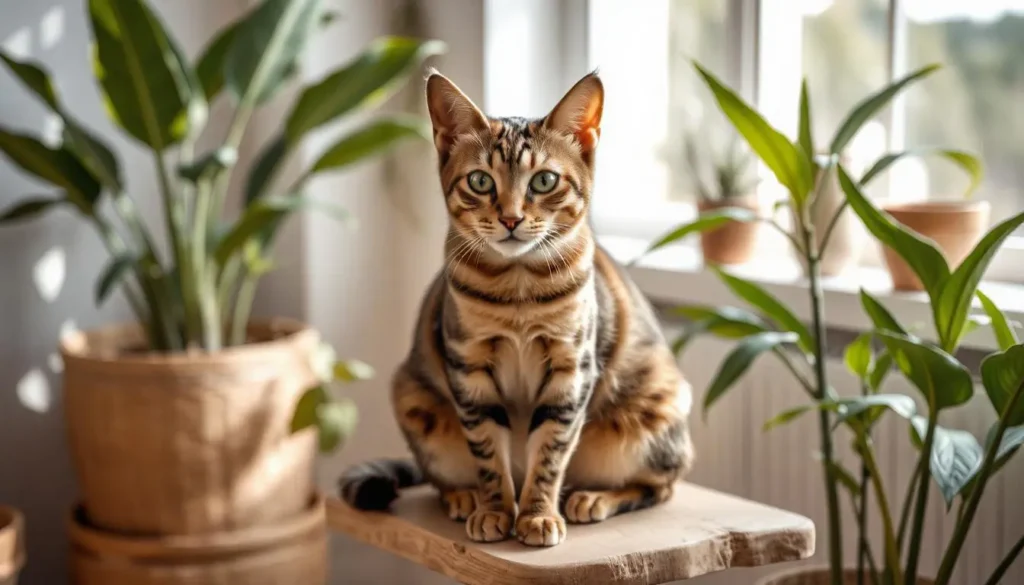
pixel 146 88
pixel 34 77
pixel 372 139
pixel 352 371
pixel 761 299
pixel 858 356
pixel 261 215
pixel 968 163
pixel 1002 374
pixel 209 164
pixel 806 137
pixel 704 222
pixel 942 380
pixel 93 154
pixel 266 47
pixel 261 175
pixel 112 275
pixel 58 167
pixel 871 105
pixel 787 416
pixel 1005 334
pixel 369 79
pixel 306 408
pixel 880 316
pixel 873 404
pixel 922 256
pixel 740 359
pixel 727 322
pixel 954 300
pixel 27 209
pixel 790 166
pixel 336 422
pixel 842 475
pixel 1013 438
pixel 881 368
pixel 955 459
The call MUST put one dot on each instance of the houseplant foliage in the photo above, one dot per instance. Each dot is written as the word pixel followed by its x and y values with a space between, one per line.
pixel 196 292
pixel 958 463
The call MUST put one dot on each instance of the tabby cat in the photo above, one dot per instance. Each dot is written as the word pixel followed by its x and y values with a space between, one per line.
pixel 538 374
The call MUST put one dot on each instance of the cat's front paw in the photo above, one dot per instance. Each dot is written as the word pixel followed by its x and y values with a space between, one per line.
pixel 543 529
pixel 586 507
pixel 486 525
pixel 459 504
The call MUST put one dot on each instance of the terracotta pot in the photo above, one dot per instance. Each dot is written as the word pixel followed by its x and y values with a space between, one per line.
pixel 820 576
pixel 291 552
pixel 12 545
pixel 955 227
pixel 189 443
pixel 733 242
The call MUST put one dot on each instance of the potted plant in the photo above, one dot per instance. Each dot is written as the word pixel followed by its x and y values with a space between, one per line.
pixel 194 418
pixel 12 545
pixel 958 462
pixel 723 179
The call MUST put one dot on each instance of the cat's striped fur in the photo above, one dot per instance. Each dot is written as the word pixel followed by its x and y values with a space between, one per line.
pixel 538 383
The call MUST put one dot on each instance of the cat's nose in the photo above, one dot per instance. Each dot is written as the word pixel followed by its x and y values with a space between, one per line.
pixel 510 222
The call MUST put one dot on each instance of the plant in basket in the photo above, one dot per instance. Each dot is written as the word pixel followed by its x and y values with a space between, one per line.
pixel 196 417
pixel 958 463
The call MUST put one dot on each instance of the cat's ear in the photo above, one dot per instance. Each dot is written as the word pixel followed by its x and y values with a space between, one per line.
pixel 451 112
pixel 578 114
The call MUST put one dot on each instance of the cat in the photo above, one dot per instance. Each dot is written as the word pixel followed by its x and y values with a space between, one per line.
pixel 538 369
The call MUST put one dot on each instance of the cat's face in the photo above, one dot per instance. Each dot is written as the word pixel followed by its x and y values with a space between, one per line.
pixel 512 184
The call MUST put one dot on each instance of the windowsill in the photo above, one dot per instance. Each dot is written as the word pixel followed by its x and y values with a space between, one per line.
pixel 676 275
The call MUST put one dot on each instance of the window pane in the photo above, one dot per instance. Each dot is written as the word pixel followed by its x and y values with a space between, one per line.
pixel 975 102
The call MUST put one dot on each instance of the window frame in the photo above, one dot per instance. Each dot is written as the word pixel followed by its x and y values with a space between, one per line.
pixel 746 63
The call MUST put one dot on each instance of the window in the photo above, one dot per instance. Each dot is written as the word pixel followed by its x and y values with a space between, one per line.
pixel 846 49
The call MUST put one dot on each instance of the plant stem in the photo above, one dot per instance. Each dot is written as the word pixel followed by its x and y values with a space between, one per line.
pixel 243 306
pixel 205 279
pixel 892 553
pixel 796 373
pixel 862 510
pixel 175 216
pixel 116 246
pixel 832 497
pixel 963 525
pixel 908 503
pixel 1007 562
pixel 924 482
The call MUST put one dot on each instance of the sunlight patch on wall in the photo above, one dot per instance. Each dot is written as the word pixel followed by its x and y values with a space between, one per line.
pixel 19 43
pixel 55 362
pixel 53 131
pixel 49 274
pixel 34 391
pixel 51 27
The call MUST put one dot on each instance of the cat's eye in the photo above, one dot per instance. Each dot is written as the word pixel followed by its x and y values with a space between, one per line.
pixel 543 182
pixel 480 182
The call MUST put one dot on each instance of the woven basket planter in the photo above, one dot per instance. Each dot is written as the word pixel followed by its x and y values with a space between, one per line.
pixel 189 443
pixel 12 545
pixel 292 552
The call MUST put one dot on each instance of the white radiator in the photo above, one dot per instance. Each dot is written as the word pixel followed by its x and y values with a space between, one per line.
pixel 778 467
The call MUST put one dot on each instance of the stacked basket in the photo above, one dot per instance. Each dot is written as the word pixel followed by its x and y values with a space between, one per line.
pixel 189 472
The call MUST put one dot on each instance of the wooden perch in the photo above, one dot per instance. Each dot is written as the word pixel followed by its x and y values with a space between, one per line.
pixel 699 531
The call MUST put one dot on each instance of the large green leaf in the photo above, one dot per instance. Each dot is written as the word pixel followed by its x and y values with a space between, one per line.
pixel 955 459
pixel 740 359
pixel 787 416
pixel 858 356
pixel 58 167
pixel 967 162
pixel 789 164
pixel 805 134
pixel 922 256
pixel 116 269
pixel 873 404
pixel 373 138
pixel 761 299
pixel 871 105
pixel 145 85
pixel 704 222
pixel 954 302
pixel 263 171
pixel 1005 335
pixel 373 76
pixel 34 78
pixel 265 48
pixel 942 380
pixel 28 208
pixel 879 315
pixel 1002 374
pixel 259 216
pixel 879 370
pixel 1013 438
pixel 728 322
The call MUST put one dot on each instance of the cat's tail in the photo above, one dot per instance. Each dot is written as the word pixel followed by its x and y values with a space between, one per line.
pixel 373 485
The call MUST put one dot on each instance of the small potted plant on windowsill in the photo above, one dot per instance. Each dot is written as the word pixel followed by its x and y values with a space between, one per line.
pixel 723 179
pixel 195 418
